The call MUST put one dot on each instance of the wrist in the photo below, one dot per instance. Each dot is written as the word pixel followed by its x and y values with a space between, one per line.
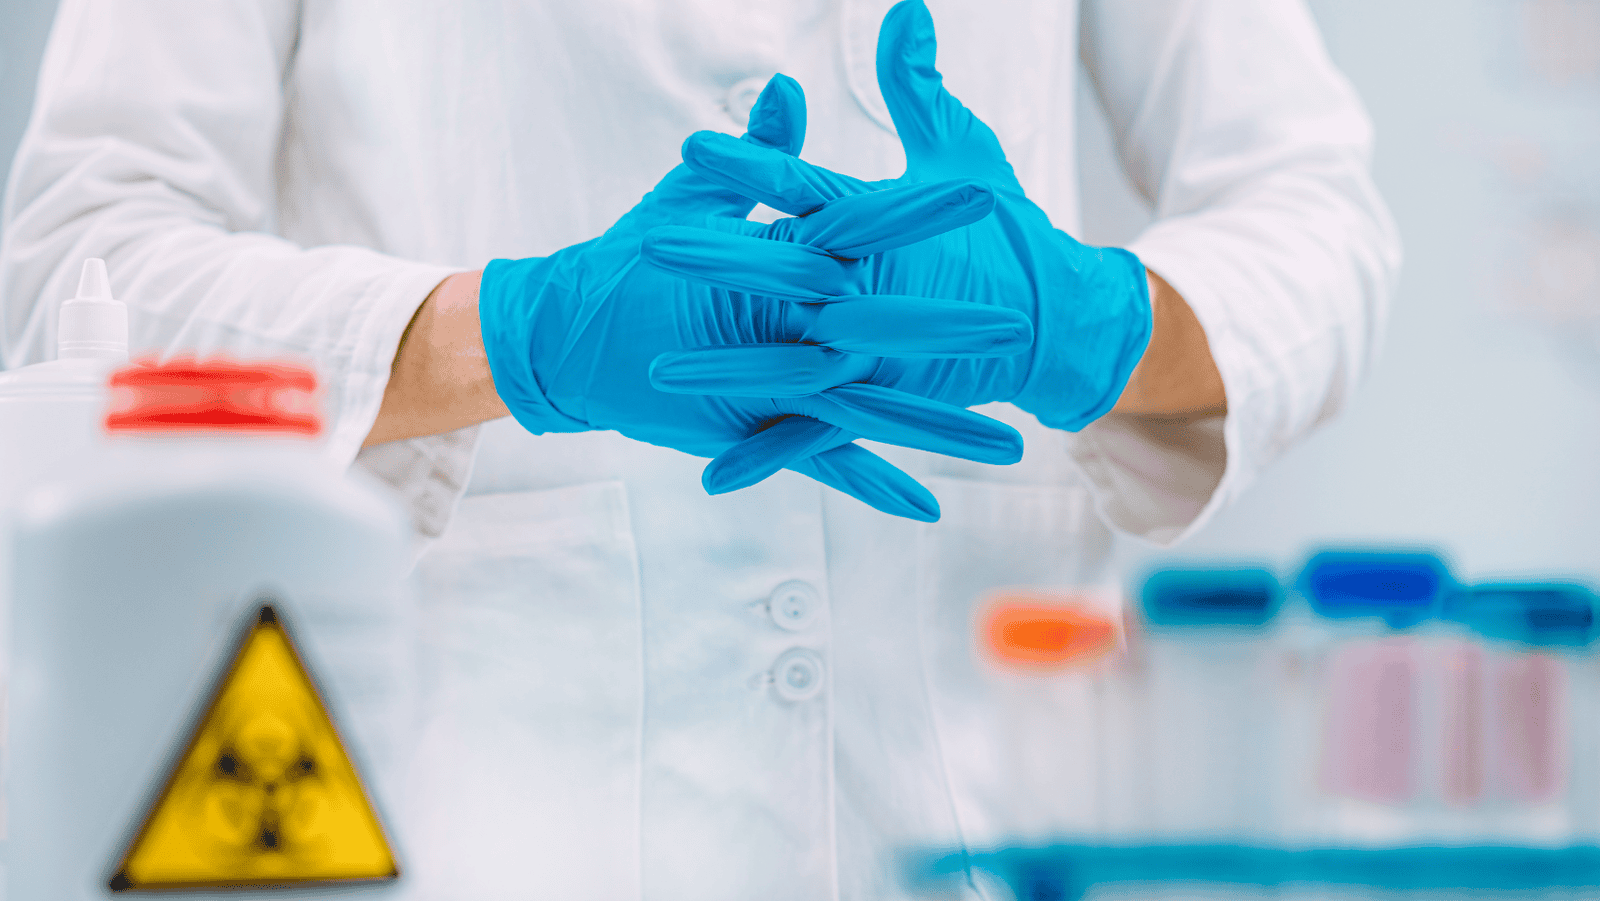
pixel 439 380
pixel 1093 327
pixel 513 341
pixel 1177 375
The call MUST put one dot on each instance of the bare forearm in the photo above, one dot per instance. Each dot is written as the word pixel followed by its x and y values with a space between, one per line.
pixel 440 380
pixel 1176 376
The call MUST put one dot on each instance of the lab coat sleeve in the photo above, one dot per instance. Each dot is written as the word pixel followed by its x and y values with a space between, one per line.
pixel 153 144
pixel 1253 151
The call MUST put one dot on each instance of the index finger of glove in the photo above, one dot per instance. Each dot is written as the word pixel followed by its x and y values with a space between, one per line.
pixel 824 453
pixel 910 420
pixel 776 179
pixel 757 370
pixel 743 263
pixel 864 224
pixel 846 342
pixel 872 480
pixel 769 450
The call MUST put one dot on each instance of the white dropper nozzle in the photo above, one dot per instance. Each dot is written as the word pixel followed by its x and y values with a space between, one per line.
pixel 93 324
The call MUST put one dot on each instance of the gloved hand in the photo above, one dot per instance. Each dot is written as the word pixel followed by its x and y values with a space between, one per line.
pixel 570 337
pixel 1090 307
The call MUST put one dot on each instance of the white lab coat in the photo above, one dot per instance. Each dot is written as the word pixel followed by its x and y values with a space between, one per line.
pixel 606 714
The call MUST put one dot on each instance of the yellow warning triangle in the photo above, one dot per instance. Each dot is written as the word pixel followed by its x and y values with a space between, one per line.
pixel 264 794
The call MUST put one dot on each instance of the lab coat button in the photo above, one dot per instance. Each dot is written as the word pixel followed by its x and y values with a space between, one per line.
pixel 794 605
pixel 798 674
pixel 742 98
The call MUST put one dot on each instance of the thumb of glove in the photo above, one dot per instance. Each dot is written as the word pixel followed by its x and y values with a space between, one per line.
pixel 941 137
pixel 777 121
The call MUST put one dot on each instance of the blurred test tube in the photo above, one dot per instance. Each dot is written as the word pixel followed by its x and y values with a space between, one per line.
pixel 1367 681
pixel 1211 693
pixel 1534 709
pixel 1045 652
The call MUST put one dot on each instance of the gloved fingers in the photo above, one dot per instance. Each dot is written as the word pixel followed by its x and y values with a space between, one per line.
pixel 737 226
pixel 845 216
pixel 777 126
pixel 769 450
pixel 864 224
pixel 755 265
pixel 844 342
pixel 757 370
pixel 874 481
pixel 776 179
pixel 824 453
pixel 941 137
pixel 842 230
pixel 887 325
pixel 909 420
pixel 778 119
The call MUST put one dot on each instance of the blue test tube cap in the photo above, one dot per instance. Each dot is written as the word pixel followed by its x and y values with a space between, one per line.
pixel 1402 589
pixel 1211 597
pixel 1545 614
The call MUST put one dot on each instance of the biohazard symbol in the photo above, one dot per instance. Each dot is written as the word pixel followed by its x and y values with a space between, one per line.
pixel 264 794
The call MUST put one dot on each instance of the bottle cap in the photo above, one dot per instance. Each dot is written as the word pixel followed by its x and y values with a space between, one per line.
pixel 1042 631
pixel 1402 589
pixel 1545 614
pixel 93 324
pixel 1211 597
pixel 183 394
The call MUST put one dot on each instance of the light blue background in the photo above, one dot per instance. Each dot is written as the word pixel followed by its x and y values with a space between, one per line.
pixel 24 25
pixel 1478 432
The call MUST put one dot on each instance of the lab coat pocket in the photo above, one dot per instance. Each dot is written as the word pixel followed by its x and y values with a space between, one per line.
pixel 1019 741
pixel 527 771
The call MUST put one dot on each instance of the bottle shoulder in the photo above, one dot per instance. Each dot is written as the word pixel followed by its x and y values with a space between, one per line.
pixel 74 376
pixel 128 483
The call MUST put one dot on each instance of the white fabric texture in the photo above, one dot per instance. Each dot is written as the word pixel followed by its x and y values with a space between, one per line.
pixel 290 178
pixel 1254 154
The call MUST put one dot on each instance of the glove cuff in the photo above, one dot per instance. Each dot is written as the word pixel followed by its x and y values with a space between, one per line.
pixel 508 297
pixel 1091 352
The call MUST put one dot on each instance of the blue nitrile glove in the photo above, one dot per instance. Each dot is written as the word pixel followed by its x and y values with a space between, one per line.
pixel 570 337
pixel 1089 306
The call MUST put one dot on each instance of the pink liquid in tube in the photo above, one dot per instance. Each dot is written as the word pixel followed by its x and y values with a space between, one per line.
pixel 1530 708
pixel 1371 736
pixel 1463 755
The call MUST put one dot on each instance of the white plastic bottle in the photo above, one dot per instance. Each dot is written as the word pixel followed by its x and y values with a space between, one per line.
pixel 50 415
pixel 133 583
pixel 50 412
